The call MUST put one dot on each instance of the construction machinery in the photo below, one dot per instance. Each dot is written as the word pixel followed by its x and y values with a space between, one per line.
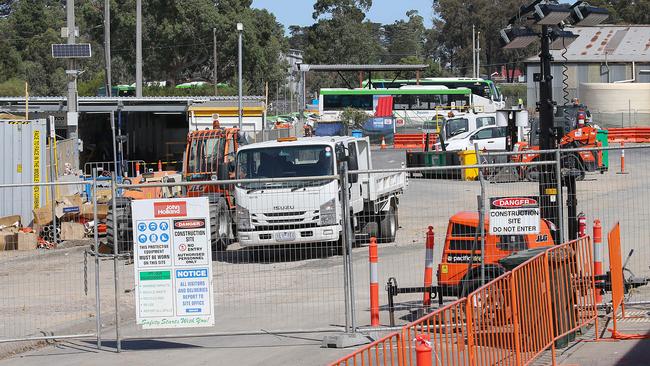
pixel 573 129
pixel 209 156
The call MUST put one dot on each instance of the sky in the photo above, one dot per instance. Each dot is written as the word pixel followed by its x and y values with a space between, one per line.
pixel 298 12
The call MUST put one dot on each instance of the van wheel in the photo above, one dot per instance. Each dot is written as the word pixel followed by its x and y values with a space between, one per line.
pixel 388 226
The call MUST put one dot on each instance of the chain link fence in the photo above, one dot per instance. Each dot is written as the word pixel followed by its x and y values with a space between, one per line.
pixel 291 254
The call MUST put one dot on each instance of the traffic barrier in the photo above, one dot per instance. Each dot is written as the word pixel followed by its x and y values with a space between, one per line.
pixel 373 258
pixel 629 134
pixel 428 267
pixel 511 320
pixel 598 255
pixel 412 140
pixel 622 158
pixel 447 333
pixel 386 351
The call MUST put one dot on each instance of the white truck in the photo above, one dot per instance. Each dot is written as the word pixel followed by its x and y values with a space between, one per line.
pixel 309 211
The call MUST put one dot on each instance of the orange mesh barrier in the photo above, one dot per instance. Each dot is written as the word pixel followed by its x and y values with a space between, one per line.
pixel 385 351
pixel 446 331
pixel 511 320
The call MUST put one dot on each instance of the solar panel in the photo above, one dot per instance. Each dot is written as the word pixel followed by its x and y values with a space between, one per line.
pixel 78 50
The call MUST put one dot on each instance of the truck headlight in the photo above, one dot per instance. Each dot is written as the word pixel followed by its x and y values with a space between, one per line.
pixel 328 213
pixel 243 218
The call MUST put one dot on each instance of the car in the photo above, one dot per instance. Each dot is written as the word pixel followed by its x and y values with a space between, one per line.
pixel 487 138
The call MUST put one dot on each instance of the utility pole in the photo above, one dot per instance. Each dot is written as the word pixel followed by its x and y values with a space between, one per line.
pixel 107 46
pixel 138 48
pixel 240 29
pixel 214 56
pixel 478 54
pixel 473 51
pixel 547 184
pixel 72 115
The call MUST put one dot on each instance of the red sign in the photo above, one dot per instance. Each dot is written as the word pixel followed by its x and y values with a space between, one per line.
pixel 514 202
pixel 170 209
pixel 189 224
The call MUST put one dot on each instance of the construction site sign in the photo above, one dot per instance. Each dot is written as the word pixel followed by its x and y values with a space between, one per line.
pixel 514 215
pixel 173 263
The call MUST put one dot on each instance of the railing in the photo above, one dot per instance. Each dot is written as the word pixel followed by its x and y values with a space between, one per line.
pixel 511 320
pixel 385 351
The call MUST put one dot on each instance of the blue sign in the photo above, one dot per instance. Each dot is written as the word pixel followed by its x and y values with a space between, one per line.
pixel 73 209
pixel 193 310
pixel 142 238
pixel 153 226
pixel 164 226
pixel 153 237
pixel 191 273
pixel 164 237
pixel 142 226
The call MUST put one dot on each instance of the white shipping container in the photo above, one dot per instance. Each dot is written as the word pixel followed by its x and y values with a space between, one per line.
pixel 22 160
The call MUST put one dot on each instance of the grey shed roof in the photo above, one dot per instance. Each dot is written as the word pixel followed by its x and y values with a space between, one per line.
pixel 620 43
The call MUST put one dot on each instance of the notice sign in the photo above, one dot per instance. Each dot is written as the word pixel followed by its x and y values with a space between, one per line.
pixel 514 215
pixel 172 263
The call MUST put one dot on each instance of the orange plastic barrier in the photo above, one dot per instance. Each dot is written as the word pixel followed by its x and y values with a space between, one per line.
pixel 412 140
pixel 385 351
pixel 629 134
pixel 446 330
pixel 509 321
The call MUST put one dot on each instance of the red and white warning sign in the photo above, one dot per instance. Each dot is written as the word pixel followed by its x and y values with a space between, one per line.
pixel 514 215
pixel 173 263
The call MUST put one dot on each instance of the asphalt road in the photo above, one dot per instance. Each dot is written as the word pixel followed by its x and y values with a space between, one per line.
pixel 301 288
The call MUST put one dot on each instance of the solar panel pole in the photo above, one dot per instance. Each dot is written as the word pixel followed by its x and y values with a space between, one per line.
pixel 138 48
pixel 72 85
pixel 107 45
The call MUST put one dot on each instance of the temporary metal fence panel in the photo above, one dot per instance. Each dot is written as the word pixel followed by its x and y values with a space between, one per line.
pixel 49 290
pixel 263 281
pixel 22 148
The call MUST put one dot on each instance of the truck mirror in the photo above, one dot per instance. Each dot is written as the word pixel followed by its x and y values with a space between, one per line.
pixel 340 153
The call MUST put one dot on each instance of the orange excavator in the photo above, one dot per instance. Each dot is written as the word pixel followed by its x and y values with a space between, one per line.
pixel 209 156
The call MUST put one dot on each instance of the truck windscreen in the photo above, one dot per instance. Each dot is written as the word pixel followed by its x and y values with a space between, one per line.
pixel 285 161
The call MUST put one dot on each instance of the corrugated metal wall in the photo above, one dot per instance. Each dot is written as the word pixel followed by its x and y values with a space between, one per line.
pixel 22 147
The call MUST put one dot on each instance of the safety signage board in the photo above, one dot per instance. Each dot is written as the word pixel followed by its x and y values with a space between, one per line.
pixel 514 215
pixel 173 263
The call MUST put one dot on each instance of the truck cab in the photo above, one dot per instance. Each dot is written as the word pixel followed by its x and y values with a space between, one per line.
pixel 459 268
pixel 308 210
pixel 467 122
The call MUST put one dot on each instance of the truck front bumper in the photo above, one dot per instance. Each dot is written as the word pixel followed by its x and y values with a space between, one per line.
pixel 316 234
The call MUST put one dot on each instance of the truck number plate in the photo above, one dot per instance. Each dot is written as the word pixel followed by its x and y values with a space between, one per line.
pixel 285 236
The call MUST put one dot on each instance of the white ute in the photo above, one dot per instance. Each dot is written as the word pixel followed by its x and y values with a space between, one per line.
pixel 309 211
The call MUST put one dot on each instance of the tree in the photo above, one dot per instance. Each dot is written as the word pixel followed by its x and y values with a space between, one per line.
pixel 454 38
pixel 626 11
pixel 404 39
pixel 354 118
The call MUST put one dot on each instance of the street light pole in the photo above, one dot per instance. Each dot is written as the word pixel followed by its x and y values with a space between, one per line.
pixel 547 182
pixel 72 115
pixel 214 56
pixel 107 45
pixel 138 48
pixel 240 29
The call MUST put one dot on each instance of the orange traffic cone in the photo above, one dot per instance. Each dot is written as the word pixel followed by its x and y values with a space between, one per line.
pixel 383 143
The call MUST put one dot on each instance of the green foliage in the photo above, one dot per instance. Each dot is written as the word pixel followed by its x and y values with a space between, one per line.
pixel 354 118
pixel 13 87
pixel 625 11
pixel 194 91
pixel 513 92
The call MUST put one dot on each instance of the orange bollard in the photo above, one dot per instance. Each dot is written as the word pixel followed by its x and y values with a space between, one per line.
pixel 428 267
pixel 137 168
pixel 598 255
pixel 383 143
pixel 582 225
pixel 159 165
pixel 374 282
pixel 622 158
pixel 423 350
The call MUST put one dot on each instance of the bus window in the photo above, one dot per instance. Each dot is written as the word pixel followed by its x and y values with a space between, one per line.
pixel 340 102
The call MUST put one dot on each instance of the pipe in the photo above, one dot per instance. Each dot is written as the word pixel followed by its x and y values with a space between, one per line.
pixel 628 80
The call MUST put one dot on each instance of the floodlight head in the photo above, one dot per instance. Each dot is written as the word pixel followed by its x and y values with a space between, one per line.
pixel 550 14
pixel 561 39
pixel 587 15
pixel 521 37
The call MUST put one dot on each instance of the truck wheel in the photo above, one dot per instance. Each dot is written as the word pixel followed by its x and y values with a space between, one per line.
pixel 121 226
pixel 388 226
pixel 219 224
